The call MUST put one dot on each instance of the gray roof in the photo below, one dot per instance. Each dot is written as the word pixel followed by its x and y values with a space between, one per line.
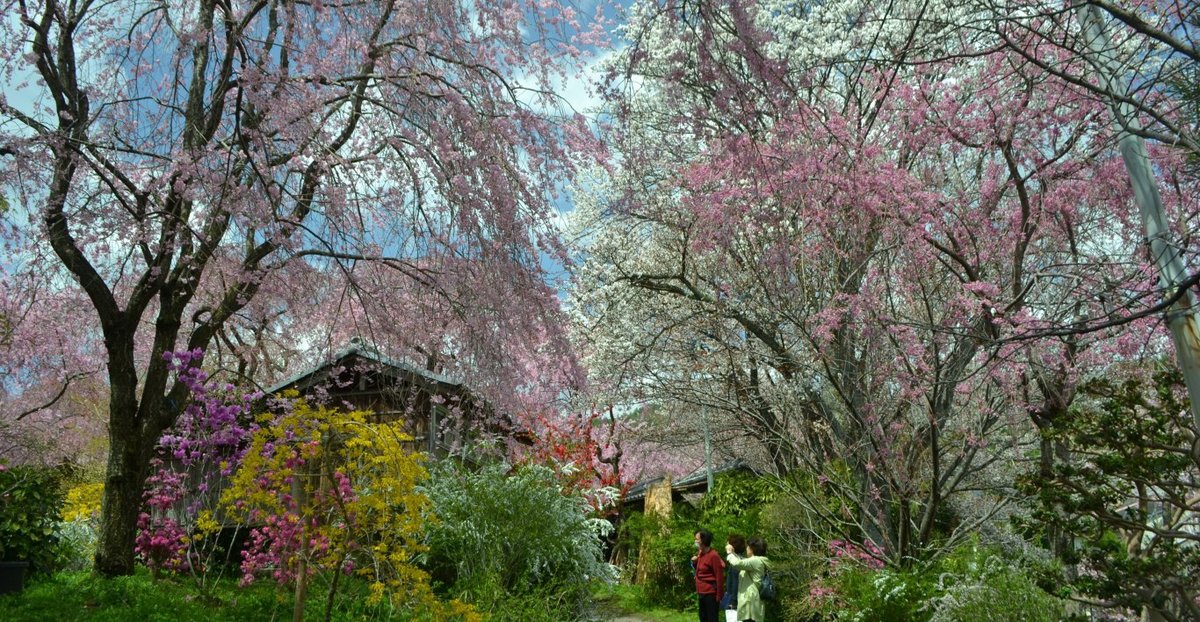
pixel 360 348
pixel 693 479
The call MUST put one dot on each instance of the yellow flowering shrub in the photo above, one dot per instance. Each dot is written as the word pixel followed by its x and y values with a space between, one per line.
pixel 330 492
pixel 83 502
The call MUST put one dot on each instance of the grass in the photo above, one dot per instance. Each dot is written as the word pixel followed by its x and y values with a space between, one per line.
pixel 86 597
pixel 629 600
pixel 83 596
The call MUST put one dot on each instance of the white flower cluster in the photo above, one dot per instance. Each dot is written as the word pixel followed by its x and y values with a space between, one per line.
pixel 821 33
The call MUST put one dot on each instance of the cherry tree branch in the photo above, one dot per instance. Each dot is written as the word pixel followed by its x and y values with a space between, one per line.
pixel 54 400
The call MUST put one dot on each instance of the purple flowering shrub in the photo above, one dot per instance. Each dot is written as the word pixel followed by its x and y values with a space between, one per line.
pixel 181 514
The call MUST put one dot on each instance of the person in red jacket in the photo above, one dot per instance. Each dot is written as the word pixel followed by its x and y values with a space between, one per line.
pixel 710 576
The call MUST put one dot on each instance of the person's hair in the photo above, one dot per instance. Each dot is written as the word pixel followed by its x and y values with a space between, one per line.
pixel 757 545
pixel 705 537
pixel 738 543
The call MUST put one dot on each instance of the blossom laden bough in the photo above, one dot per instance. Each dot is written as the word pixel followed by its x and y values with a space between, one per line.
pixel 175 161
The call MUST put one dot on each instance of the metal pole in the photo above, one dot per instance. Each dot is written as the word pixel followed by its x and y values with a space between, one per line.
pixel 707 449
pixel 1167 257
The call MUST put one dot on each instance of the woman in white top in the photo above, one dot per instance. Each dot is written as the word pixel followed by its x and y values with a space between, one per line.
pixel 751 568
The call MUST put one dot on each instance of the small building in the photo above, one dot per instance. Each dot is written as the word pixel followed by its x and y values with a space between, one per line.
pixel 689 487
pixel 359 377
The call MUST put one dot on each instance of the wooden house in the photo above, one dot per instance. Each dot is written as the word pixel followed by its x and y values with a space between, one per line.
pixel 359 377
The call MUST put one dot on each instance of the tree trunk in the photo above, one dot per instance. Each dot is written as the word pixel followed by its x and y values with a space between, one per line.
pixel 1055 452
pixel 873 515
pixel 131 445
pixel 123 485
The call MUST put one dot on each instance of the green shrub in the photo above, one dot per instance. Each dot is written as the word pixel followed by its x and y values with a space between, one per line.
pixel 501 535
pixel 798 526
pixel 971 583
pixel 30 502
pixel 667 547
pixel 545 604
pixel 738 493
pixel 994 591
pixel 77 542
pixel 885 595
pixel 1120 504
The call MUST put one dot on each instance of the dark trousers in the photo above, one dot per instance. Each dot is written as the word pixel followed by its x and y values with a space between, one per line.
pixel 708 608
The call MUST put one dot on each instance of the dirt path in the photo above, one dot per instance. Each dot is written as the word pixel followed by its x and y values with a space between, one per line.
pixel 606 612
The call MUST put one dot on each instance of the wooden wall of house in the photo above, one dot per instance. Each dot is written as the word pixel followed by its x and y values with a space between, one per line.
pixel 388 404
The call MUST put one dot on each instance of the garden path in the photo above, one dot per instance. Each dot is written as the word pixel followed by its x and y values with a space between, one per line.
pixel 606 612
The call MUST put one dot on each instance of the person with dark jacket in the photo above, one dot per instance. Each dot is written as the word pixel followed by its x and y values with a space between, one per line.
pixel 710 577
pixel 729 602
pixel 752 567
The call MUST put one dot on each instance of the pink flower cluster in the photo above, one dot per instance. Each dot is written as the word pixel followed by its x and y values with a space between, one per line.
pixel 819 591
pixel 277 546
pixel 866 554
pixel 162 543
pixel 284 537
